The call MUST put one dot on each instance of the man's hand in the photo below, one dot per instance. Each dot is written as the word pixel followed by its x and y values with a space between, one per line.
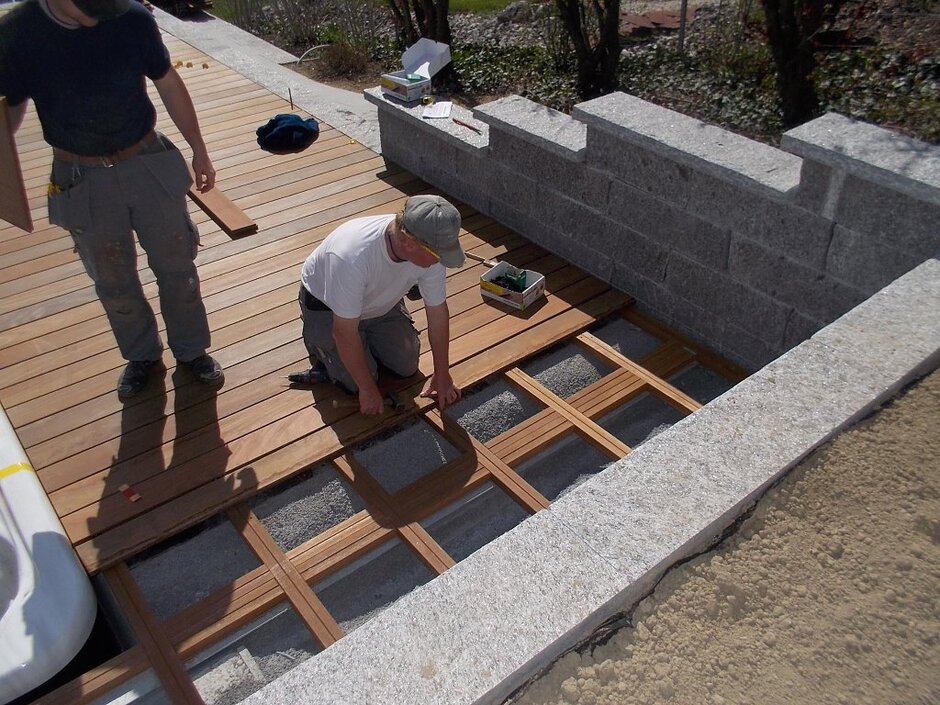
pixel 179 105
pixel 442 388
pixel 203 173
pixel 371 401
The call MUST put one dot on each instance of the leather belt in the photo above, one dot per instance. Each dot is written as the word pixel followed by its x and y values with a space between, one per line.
pixel 107 159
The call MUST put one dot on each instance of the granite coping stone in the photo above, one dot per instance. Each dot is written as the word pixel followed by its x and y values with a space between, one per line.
pixel 481 629
pixel 665 500
pixel 444 128
pixel 871 152
pixel 529 121
pixel 448 641
pixel 684 139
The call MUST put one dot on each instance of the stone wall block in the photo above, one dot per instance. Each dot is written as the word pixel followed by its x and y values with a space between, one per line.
pixel 773 222
pixel 866 261
pixel 651 294
pixel 874 154
pixel 698 323
pixel 728 299
pixel 522 223
pixel 507 185
pixel 569 177
pixel 577 221
pixel 669 226
pixel 631 250
pixel 597 263
pixel 459 189
pixel 809 291
pixel 814 186
pixel 640 167
pixel 891 217
pixel 749 351
pixel 418 155
pixel 800 328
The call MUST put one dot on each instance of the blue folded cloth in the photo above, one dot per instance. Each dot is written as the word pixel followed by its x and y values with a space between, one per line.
pixel 287 133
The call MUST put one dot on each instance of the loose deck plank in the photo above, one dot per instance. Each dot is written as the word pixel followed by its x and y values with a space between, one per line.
pixel 14 205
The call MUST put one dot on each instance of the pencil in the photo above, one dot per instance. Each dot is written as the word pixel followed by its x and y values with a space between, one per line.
pixel 467 125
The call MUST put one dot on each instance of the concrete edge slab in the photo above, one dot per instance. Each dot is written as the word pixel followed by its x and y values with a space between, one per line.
pixel 262 62
pixel 479 631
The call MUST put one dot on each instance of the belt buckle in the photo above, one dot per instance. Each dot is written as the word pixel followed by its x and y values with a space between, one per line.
pixel 108 160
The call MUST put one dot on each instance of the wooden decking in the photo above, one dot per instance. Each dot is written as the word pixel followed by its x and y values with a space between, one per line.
pixel 123 477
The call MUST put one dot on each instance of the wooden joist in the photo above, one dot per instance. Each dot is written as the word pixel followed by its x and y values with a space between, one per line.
pixel 311 611
pixel 160 653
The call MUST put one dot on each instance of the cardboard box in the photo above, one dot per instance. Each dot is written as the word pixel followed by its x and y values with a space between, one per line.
pixel 535 286
pixel 421 60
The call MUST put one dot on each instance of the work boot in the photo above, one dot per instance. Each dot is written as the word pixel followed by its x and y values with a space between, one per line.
pixel 134 377
pixel 205 369
pixel 314 375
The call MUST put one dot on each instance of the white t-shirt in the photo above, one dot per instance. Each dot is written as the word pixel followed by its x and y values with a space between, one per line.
pixel 352 272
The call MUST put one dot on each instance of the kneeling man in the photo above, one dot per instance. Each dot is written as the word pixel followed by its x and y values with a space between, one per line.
pixel 351 299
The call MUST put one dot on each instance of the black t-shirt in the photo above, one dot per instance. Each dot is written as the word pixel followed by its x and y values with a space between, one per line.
pixel 87 83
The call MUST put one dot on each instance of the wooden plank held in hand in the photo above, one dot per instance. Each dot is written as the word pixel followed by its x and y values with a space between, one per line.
pixel 220 208
pixel 14 206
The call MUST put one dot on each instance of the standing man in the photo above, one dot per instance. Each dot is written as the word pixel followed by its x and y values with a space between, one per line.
pixel 83 62
pixel 351 299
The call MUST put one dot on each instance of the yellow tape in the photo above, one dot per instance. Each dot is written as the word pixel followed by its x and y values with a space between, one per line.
pixel 15 468
pixel 495 288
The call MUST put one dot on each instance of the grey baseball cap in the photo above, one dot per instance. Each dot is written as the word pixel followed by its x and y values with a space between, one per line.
pixel 435 222
pixel 103 9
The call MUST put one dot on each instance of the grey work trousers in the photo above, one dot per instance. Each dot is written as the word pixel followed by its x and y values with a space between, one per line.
pixel 102 206
pixel 390 340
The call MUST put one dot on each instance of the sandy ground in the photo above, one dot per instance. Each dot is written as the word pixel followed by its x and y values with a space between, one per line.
pixel 828 593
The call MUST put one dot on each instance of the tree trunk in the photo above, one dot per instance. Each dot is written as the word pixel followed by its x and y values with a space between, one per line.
pixel 422 18
pixel 791 29
pixel 596 46
pixel 401 13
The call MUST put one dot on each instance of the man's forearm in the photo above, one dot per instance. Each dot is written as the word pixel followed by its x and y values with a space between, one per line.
pixel 439 336
pixel 349 347
pixel 180 107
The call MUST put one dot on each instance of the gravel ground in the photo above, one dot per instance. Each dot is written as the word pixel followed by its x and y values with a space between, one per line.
pixel 827 593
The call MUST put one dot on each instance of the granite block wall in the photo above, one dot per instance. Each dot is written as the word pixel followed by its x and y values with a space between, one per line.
pixel 744 247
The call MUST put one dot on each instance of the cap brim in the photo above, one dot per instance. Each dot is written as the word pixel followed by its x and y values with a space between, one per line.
pixel 451 257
